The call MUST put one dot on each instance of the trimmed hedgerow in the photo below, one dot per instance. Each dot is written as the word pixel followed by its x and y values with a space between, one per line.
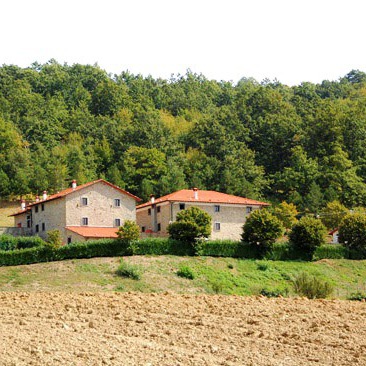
pixel 89 249
pixel 9 242
pixel 164 246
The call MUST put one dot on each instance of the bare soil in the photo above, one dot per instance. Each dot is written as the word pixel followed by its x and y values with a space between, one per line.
pixel 169 329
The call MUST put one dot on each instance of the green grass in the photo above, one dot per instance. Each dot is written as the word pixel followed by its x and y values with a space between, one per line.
pixel 211 275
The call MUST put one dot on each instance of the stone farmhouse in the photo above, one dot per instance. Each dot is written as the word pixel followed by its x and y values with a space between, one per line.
pixel 228 212
pixel 90 211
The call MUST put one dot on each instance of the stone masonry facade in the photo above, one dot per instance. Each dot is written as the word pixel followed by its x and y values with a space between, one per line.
pixel 227 219
pixel 97 205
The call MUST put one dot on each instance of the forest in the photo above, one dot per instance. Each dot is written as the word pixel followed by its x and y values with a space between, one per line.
pixel 264 140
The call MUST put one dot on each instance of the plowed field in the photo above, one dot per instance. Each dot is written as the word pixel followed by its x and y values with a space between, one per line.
pixel 169 329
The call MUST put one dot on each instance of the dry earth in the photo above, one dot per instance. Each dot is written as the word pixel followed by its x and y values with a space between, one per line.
pixel 168 329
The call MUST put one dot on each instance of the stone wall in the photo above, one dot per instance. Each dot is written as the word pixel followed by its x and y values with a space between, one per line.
pixel 16 231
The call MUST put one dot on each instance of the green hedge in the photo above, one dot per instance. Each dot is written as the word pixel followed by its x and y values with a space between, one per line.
pixel 163 246
pixel 89 249
pixel 10 242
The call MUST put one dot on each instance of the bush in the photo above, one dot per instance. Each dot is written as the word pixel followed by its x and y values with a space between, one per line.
pixel 128 270
pixel 190 225
pixel 357 296
pixel 261 230
pixel 274 293
pixel 312 287
pixel 186 272
pixel 129 234
pixel 54 239
pixel 352 232
pixel 308 234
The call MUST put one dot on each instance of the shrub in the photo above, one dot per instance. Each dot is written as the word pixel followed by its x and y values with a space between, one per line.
pixel 261 230
pixel 274 293
pixel 217 287
pixel 190 225
pixel 128 234
pixel 186 272
pixel 352 232
pixel 54 239
pixel 263 266
pixel 308 234
pixel 184 231
pixel 312 287
pixel 357 296
pixel 128 270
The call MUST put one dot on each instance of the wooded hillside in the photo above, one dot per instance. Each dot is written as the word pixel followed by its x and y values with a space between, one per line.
pixel 305 144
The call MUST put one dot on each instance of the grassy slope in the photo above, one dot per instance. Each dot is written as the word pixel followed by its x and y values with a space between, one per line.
pixel 7 208
pixel 159 274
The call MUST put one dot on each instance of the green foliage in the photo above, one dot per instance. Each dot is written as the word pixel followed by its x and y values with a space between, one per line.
pixel 261 230
pixel 352 232
pixel 308 234
pixel 128 270
pixel 311 286
pixel 186 272
pixel 286 213
pixel 54 239
pixel 128 234
pixel 9 242
pixel 357 296
pixel 274 293
pixel 303 144
pixel 333 213
pixel 331 251
pixel 191 225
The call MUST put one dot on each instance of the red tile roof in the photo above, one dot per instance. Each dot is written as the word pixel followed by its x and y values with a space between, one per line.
pixel 67 191
pixel 187 195
pixel 94 232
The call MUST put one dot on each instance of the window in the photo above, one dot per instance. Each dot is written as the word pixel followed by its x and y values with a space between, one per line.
pixel 149 211
pixel 143 229
pixel 36 209
pixel 217 226
pixel 117 202
pixel 37 228
pixel 84 221
pixel 117 222
pixel 182 206
pixel 43 226
pixel 42 207
pixel 217 208
pixel 29 221
pixel 158 209
pixel 249 209
pixel 159 227
pixel 69 240
pixel 84 201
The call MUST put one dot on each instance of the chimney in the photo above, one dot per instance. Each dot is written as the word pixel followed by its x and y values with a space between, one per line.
pixel 44 197
pixel 152 198
pixel 37 198
pixel 22 204
pixel 195 192
pixel 73 184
